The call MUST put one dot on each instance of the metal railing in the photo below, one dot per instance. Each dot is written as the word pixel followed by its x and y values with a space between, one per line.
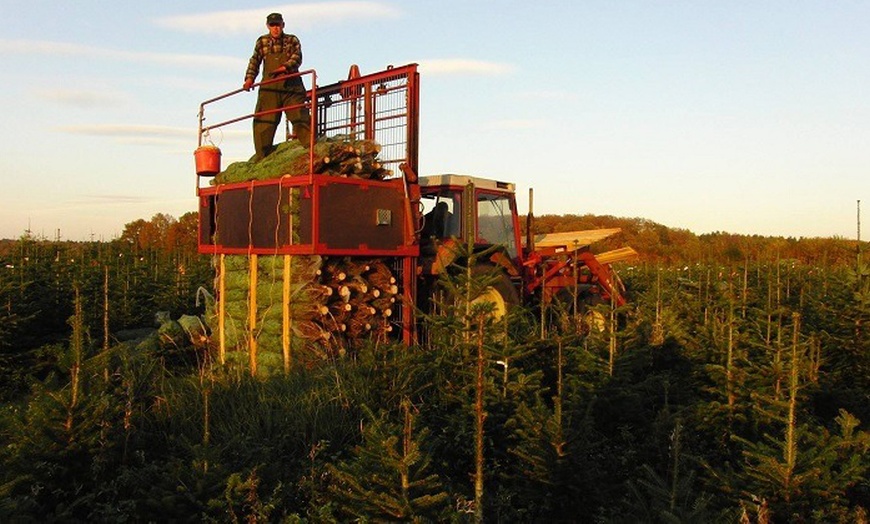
pixel 382 107
pixel 205 129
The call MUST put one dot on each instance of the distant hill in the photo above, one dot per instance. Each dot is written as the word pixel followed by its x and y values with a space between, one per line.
pixel 654 242
pixel 658 243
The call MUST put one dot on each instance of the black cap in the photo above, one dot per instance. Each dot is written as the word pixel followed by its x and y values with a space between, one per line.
pixel 274 18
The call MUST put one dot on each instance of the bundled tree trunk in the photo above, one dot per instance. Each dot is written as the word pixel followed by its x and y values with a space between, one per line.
pixel 302 309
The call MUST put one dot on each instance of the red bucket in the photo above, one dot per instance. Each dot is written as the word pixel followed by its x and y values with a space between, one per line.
pixel 208 160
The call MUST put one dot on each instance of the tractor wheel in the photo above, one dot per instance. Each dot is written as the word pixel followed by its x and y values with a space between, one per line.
pixel 583 321
pixel 438 300
pixel 501 293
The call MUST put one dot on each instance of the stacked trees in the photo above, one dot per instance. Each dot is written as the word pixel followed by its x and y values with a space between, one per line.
pixel 305 305
pixel 363 296
pixel 336 156
pixel 277 309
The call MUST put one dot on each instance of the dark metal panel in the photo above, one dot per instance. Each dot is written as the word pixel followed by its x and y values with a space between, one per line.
pixel 334 216
pixel 206 220
pixel 305 217
pixel 269 227
pixel 349 217
pixel 233 217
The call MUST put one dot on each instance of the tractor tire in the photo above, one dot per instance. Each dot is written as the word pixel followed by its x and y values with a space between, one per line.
pixel 501 293
pixel 583 321
pixel 436 300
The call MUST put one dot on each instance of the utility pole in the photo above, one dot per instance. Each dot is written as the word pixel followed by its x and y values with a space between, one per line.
pixel 859 236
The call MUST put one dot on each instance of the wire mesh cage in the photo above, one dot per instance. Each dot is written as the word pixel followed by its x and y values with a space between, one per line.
pixel 381 107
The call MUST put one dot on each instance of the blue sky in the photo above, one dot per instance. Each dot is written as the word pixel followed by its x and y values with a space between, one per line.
pixel 745 116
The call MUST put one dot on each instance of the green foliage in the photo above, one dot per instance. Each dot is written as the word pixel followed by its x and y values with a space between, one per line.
pixel 717 404
pixel 678 247
pixel 666 500
pixel 337 155
pixel 152 267
pixel 827 466
pixel 242 501
pixel 387 478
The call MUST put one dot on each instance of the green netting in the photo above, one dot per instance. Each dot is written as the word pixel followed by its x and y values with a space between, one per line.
pixel 306 297
pixel 338 156
pixel 327 303
pixel 332 302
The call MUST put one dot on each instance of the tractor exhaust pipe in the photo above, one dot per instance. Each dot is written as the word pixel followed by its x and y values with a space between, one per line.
pixel 530 222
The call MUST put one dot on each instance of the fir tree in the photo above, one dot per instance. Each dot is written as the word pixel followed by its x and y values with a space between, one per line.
pixel 805 469
pixel 674 498
pixel 388 478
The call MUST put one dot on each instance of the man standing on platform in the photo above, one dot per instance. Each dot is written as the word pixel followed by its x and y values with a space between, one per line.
pixel 280 54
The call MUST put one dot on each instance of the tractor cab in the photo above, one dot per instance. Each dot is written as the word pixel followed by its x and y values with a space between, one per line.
pixel 483 212
pixel 460 211
pixel 463 207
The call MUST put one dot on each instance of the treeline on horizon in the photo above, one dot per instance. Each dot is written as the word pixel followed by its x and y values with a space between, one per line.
pixel 661 244
pixel 654 242
pixel 734 387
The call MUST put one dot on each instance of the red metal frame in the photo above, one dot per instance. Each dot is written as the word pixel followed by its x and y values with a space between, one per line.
pixel 312 95
pixel 545 268
pixel 312 186
pixel 554 261
pixel 519 260
pixel 382 106
pixel 514 218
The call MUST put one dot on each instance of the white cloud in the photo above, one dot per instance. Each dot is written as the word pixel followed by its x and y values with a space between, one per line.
pixel 55 49
pixel 464 66
pixel 83 98
pixel 152 135
pixel 295 15
pixel 553 95
pixel 194 84
pixel 128 130
pixel 153 141
pixel 517 124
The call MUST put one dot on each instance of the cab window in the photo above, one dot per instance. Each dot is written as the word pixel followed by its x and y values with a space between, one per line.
pixel 441 215
pixel 495 223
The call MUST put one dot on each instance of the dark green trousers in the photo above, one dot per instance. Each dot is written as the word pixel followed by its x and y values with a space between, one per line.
pixel 274 96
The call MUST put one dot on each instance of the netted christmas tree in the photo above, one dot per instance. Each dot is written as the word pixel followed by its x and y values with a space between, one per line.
pixel 336 156
pixel 277 311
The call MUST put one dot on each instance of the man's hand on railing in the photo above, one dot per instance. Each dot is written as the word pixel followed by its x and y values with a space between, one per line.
pixel 248 83
pixel 278 72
